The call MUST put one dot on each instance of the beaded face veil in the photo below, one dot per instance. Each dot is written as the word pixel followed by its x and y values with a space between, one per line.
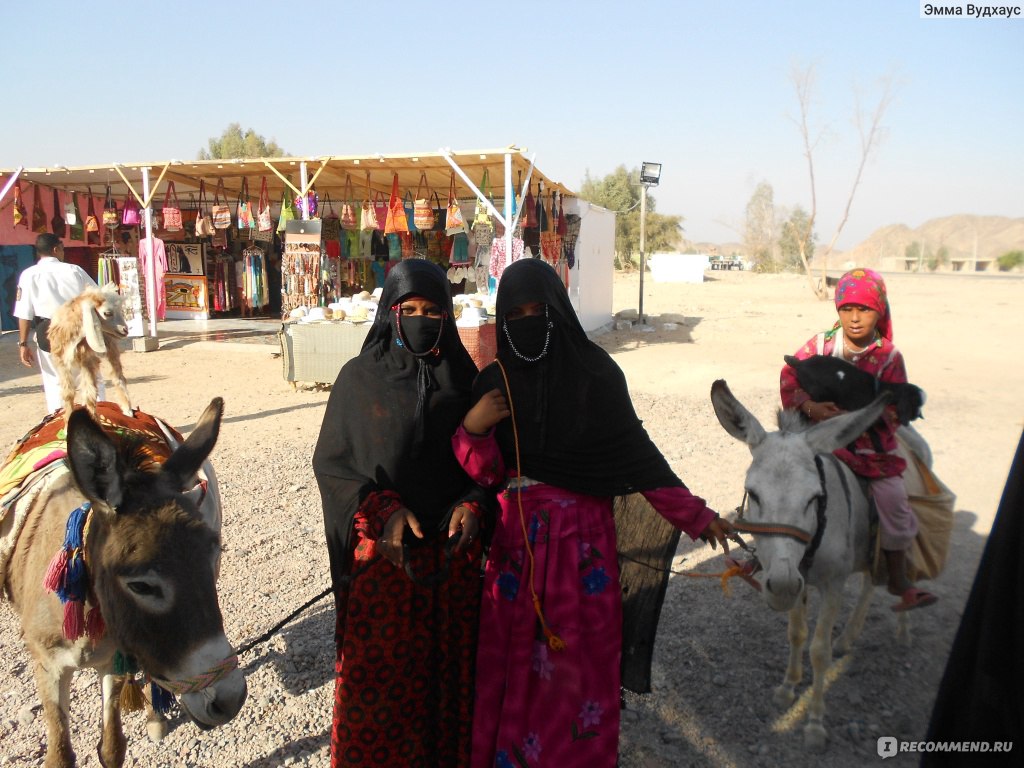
pixel 548 325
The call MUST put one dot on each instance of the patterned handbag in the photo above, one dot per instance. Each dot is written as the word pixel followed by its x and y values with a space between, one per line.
pixel 349 217
pixel 110 217
pixel 264 222
pixel 395 221
pixel 287 213
pixel 75 218
pixel 483 226
pixel 454 223
pixel 245 217
pixel 172 209
pixel 38 212
pixel 423 210
pixel 20 214
pixel 330 224
pixel 92 224
pixel 220 212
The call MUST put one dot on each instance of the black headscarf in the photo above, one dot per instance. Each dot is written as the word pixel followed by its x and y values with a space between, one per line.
pixel 577 426
pixel 391 416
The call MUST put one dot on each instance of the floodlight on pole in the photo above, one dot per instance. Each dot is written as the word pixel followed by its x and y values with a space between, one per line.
pixel 650 174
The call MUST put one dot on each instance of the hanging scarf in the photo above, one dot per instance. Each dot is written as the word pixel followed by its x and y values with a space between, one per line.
pixel 577 426
pixel 867 288
pixel 391 416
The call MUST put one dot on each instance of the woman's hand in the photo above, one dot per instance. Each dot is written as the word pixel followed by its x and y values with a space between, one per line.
pixel 718 530
pixel 463 517
pixel 489 410
pixel 390 542
pixel 820 411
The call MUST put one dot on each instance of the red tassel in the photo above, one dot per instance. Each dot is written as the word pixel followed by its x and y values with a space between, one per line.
pixel 74 620
pixel 55 571
pixel 94 625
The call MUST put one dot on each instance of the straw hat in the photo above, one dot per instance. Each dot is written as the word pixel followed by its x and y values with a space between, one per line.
pixel 358 315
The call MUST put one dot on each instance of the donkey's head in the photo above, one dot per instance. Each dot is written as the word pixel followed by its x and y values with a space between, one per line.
pixel 783 485
pixel 152 562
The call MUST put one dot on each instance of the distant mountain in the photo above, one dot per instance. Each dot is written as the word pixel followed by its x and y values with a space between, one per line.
pixel 972 242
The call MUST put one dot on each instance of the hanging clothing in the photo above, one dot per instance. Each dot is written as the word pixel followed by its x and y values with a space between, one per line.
pixel 405 650
pixel 160 262
pixel 580 444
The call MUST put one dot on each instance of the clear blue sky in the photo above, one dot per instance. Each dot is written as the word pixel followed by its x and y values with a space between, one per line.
pixel 703 88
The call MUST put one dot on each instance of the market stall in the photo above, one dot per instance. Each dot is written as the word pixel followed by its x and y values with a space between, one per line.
pixel 212 238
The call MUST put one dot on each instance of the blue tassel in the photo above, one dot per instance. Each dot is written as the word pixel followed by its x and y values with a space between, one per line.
pixel 74 585
pixel 161 699
pixel 73 531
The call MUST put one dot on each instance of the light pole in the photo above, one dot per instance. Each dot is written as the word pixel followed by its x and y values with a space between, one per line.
pixel 650 173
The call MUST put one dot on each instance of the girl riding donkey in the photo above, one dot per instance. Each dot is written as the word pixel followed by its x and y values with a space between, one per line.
pixel 863 337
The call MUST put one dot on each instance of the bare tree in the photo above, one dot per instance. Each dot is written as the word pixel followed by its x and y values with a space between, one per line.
pixel 871 134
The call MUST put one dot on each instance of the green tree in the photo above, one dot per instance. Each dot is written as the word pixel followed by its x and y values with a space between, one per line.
pixel 234 142
pixel 914 253
pixel 759 229
pixel 796 230
pixel 620 192
pixel 1010 260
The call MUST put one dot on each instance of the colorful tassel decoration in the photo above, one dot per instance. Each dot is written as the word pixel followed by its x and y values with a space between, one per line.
pixel 124 665
pixel 95 627
pixel 74 619
pixel 131 699
pixel 66 576
pixel 162 700
pixel 54 577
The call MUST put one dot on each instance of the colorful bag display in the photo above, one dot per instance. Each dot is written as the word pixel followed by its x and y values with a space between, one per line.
pixel 380 210
pixel 423 209
pixel 349 217
pixel 395 218
pixel 454 223
pixel 264 221
pixel 220 212
pixel 57 224
pixel 110 216
pixel 204 224
pixel 172 209
pixel 483 226
pixel 245 217
pixel 20 214
pixel 529 210
pixel 311 202
pixel 38 211
pixel 368 216
pixel 92 223
pixel 130 212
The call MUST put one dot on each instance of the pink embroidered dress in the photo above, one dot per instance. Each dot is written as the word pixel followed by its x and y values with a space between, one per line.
pixel 579 444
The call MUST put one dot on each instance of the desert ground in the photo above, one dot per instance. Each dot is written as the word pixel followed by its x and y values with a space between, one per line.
pixel 717 657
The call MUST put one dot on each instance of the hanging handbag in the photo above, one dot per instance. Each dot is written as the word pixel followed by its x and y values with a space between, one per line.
pixel 57 224
pixel 245 218
pixel 349 218
pixel 395 220
pixel 287 212
pixel 483 227
pixel 380 210
pixel 204 224
pixel 20 214
pixel 561 227
pixel 92 224
pixel 423 211
pixel 220 212
pixel 130 212
pixel 453 222
pixel 264 221
pixel 77 227
pixel 311 202
pixel 38 212
pixel 529 210
pixel 172 209
pixel 110 216
pixel 330 224
pixel 70 212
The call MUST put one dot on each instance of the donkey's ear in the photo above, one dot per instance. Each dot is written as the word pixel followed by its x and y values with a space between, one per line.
pixel 94 461
pixel 736 419
pixel 838 431
pixel 190 455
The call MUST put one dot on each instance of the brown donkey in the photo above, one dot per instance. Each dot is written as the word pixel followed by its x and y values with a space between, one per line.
pixel 151 564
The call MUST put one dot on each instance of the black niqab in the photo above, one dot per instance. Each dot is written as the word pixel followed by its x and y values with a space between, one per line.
pixel 390 418
pixel 576 423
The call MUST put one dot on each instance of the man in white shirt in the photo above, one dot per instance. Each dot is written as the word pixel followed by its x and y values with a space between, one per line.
pixel 41 289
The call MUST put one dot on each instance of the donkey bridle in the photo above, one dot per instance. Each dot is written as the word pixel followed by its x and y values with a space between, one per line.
pixel 810 541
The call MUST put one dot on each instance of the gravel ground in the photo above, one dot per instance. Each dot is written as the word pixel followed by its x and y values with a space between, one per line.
pixel 717 657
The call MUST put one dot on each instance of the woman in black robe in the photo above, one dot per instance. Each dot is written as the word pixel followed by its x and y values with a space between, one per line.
pixel 402 521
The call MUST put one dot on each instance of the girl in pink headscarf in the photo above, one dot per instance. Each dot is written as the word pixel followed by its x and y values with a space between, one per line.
pixel 863 336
